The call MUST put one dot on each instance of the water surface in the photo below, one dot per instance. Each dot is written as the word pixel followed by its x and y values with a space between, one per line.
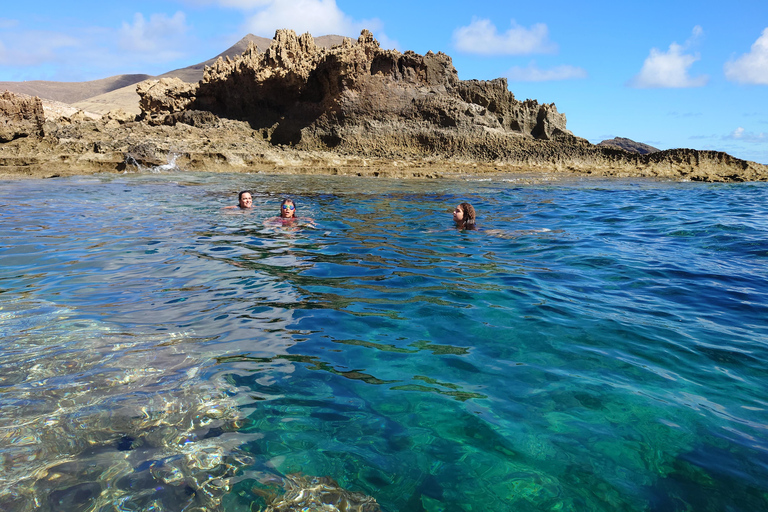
pixel 595 345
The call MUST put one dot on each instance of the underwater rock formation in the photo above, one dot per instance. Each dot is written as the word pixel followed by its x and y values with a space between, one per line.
pixel 322 494
pixel 20 116
pixel 92 416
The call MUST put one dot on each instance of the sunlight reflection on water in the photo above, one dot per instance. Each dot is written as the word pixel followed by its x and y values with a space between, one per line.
pixel 594 345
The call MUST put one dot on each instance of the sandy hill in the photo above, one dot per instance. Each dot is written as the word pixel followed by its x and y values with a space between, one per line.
pixel 119 92
pixel 71 92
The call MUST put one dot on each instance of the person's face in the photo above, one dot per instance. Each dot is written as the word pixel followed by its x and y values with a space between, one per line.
pixel 246 201
pixel 288 210
pixel 458 214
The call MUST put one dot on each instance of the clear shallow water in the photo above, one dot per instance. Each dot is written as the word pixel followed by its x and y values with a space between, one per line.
pixel 595 345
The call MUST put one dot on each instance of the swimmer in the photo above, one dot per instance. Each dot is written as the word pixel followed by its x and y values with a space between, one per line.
pixel 287 215
pixel 244 201
pixel 287 209
pixel 464 216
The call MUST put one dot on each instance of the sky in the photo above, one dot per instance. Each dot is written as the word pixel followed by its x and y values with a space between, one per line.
pixel 672 73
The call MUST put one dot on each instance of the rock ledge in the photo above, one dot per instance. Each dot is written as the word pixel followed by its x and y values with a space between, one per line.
pixel 351 109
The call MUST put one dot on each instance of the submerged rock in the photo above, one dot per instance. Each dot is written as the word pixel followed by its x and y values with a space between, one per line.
pixel 320 494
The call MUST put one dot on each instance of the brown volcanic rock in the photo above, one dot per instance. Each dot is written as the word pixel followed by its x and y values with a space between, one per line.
pixel 167 94
pixel 629 145
pixel 347 97
pixel 352 109
pixel 200 141
pixel 20 117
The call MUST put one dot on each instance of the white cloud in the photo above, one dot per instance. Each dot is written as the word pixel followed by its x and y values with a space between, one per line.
pixel 318 17
pixel 160 35
pixel 481 37
pixel 142 45
pixel 752 67
pixel 670 68
pixel 742 135
pixel 535 74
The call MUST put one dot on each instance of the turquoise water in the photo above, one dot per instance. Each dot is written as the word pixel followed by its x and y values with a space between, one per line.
pixel 596 345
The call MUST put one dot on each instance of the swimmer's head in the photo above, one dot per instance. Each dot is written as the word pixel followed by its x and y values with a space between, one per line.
pixel 245 199
pixel 287 209
pixel 464 216
pixel 464 212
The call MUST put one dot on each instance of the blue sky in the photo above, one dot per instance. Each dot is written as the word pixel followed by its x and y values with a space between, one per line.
pixel 676 73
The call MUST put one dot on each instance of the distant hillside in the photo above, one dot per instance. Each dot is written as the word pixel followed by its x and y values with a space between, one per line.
pixel 71 92
pixel 629 145
pixel 101 96
pixel 194 73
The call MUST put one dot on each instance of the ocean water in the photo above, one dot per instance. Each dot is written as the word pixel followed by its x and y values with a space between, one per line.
pixel 595 345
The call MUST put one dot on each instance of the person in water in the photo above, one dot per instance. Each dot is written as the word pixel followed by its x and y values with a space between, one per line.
pixel 288 216
pixel 464 216
pixel 244 200
pixel 287 209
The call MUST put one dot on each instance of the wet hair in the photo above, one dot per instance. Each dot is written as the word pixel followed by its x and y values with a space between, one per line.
pixel 240 197
pixel 468 219
pixel 287 201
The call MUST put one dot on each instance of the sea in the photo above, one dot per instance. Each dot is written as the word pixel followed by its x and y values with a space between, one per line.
pixel 595 345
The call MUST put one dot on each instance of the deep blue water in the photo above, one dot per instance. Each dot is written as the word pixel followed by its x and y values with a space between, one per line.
pixel 595 345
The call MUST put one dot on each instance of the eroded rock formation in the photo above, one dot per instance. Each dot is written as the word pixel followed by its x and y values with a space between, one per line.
pixel 20 116
pixel 350 96
pixel 351 109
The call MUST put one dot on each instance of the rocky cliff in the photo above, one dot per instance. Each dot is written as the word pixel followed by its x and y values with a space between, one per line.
pixel 20 116
pixel 351 97
pixel 350 109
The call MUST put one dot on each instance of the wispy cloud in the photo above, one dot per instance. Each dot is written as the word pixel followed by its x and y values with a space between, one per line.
pixel 752 67
pixel 88 52
pixel 481 37
pixel 670 69
pixel 6 23
pixel 161 36
pixel 34 47
pixel 532 73
pixel 684 114
pixel 742 135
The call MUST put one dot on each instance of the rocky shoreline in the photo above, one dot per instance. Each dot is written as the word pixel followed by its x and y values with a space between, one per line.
pixel 353 109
